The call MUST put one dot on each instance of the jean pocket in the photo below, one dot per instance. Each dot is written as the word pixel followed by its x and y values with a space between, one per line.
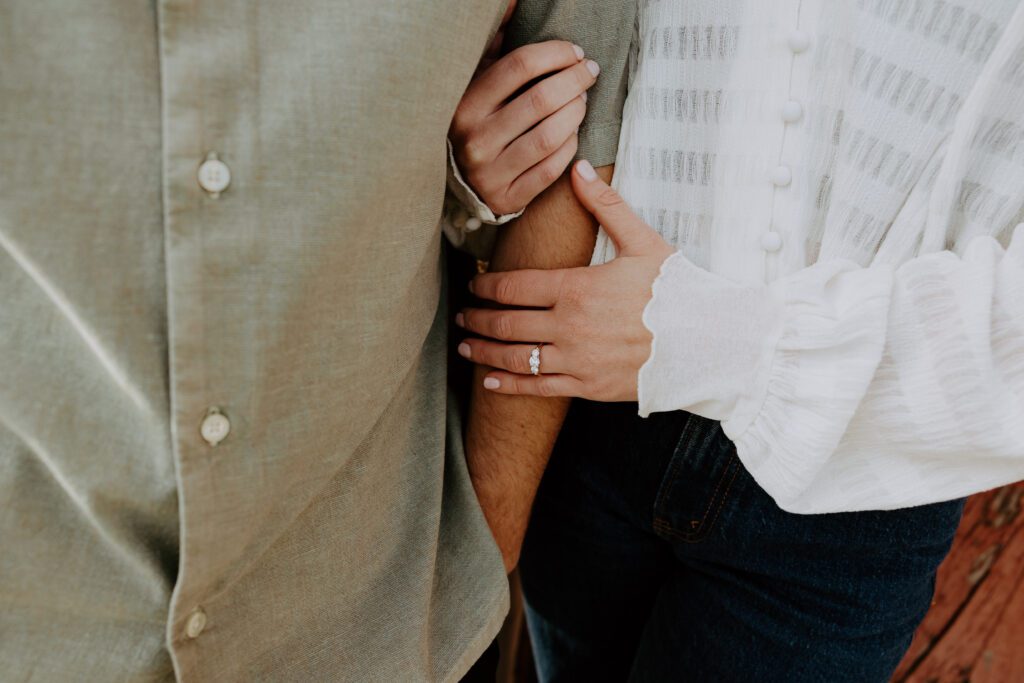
pixel 699 479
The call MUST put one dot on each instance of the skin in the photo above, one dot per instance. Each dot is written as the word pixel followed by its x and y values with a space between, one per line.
pixel 509 438
pixel 510 147
pixel 589 319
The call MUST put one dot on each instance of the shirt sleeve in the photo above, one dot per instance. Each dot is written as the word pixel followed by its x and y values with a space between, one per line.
pixel 849 388
pixel 605 29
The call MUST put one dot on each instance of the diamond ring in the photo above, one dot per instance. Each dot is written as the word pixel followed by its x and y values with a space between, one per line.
pixel 535 360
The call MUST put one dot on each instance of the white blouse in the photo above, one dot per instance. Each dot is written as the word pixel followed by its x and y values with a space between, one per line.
pixel 843 180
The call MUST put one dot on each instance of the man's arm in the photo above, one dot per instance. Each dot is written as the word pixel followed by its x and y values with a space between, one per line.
pixel 509 438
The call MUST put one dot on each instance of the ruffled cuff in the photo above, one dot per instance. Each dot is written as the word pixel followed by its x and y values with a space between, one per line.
pixel 477 212
pixel 709 337
pixel 783 367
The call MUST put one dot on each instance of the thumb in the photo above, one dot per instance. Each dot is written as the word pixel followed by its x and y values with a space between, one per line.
pixel 630 234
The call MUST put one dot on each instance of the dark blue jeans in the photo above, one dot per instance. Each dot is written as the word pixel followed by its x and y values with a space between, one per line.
pixel 652 555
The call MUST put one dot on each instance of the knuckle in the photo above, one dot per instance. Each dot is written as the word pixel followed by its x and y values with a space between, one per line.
pixel 608 198
pixel 503 327
pixel 546 388
pixel 505 290
pixel 549 173
pixel 515 362
pixel 473 151
pixel 518 62
pixel 545 142
pixel 539 99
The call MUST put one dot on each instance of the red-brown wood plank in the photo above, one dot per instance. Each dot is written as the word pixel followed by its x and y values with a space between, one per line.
pixel 975 630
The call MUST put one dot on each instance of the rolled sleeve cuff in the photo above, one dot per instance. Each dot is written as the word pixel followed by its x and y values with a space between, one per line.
pixel 474 206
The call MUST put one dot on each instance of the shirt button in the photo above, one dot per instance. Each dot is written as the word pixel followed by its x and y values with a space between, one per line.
pixel 771 241
pixel 195 624
pixel 215 427
pixel 798 41
pixel 792 111
pixel 214 175
pixel 781 176
pixel 473 224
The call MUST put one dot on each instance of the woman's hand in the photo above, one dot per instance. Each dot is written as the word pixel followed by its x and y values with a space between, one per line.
pixel 588 319
pixel 510 148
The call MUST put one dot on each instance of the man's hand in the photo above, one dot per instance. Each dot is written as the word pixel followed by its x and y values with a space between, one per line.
pixel 589 320
pixel 510 147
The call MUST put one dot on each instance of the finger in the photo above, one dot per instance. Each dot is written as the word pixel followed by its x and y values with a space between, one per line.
pixel 509 74
pixel 631 235
pixel 543 99
pixel 518 326
pixel 512 357
pixel 545 139
pixel 533 288
pixel 527 385
pixel 526 187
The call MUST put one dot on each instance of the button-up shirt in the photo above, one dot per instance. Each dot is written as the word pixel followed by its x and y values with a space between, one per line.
pixel 226 447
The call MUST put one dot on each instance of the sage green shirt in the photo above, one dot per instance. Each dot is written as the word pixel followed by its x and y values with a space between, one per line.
pixel 332 534
pixel 226 445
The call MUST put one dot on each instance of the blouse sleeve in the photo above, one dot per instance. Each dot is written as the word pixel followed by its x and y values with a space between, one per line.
pixel 849 388
pixel 605 30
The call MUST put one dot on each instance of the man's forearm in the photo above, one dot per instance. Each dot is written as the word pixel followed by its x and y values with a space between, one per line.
pixel 509 438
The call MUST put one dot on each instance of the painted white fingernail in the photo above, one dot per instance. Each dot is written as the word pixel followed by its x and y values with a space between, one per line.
pixel 593 68
pixel 586 172
pixel 464 350
pixel 578 50
pixel 491 383
pixel 460 320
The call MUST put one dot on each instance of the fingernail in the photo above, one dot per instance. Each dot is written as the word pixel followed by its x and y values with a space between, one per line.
pixel 464 350
pixel 460 320
pixel 593 68
pixel 578 50
pixel 584 96
pixel 491 383
pixel 471 287
pixel 586 172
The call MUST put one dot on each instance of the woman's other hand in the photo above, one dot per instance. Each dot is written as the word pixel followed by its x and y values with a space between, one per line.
pixel 515 130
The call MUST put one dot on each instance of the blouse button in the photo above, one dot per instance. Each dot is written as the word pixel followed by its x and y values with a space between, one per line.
pixel 771 241
pixel 798 41
pixel 792 111
pixel 781 176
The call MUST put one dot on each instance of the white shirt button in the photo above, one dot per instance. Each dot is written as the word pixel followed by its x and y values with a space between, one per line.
pixel 195 623
pixel 781 176
pixel 792 111
pixel 798 41
pixel 473 223
pixel 214 175
pixel 771 241
pixel 215 427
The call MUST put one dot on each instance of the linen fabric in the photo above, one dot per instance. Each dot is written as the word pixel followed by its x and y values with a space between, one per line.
pixel 332 534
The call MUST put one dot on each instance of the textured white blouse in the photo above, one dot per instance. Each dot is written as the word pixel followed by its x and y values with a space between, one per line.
pixel 844 181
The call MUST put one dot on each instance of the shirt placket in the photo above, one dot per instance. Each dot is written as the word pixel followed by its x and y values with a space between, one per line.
pixel 198 179
pixel 780 239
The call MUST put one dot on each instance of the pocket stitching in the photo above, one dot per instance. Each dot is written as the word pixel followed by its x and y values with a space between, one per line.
pixel 662 525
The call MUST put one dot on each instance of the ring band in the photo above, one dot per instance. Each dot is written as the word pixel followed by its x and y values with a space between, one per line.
pixel 535 360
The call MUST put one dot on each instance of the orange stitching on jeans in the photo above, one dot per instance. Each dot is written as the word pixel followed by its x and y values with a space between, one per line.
pixel 665 527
